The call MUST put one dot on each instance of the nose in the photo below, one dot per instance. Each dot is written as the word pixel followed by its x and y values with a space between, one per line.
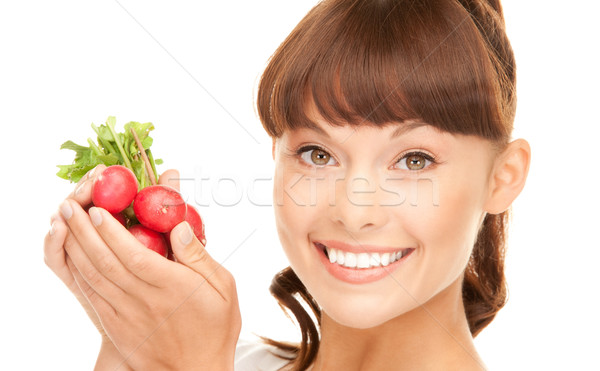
pixel 357 207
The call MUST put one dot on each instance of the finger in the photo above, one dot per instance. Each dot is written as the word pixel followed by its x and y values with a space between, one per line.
pixel 54 253
pixel 101 307
pixel 93 259
pixel 191 253
pixel 100 284
pixel 144 263
pixel 171 178
pixel 53 242
pixel 83 190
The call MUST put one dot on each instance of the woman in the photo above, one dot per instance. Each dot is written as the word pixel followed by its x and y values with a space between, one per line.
pixel 391 125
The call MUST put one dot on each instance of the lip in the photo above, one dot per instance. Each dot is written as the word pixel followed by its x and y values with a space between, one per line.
pixel 363 275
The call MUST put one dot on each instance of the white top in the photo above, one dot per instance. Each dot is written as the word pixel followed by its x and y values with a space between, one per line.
pixel 257 356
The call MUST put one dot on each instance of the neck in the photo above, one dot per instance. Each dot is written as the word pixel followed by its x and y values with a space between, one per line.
pixel 433 336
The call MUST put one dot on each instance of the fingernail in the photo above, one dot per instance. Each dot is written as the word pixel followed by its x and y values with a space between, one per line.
pixel 95 216
pixel 65 210
pixel 186 235
pixel 91 172
pixel 79 188
pixel 52 229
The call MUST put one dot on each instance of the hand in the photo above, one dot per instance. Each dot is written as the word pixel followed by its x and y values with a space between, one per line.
pixel 158 313
pixel 59 236
pixel 57 260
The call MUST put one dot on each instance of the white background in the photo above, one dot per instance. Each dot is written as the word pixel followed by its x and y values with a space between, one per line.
pixel 191 68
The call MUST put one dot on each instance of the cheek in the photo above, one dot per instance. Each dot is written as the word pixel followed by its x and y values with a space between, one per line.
pixel 446 229
pixel 296 213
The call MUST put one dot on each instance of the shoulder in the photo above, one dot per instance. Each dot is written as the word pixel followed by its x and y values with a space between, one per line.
pixel 257 356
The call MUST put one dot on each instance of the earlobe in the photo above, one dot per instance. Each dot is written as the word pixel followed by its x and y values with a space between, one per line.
pixel 508 176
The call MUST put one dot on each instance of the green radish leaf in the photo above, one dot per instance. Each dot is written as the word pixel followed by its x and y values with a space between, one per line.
pixel 85 159
pixel 147 142
pixel 74 172
pixel 109 149
pixel 64 171
pixel 109 160
pixel 105 134
pixel 78 173
pixel 138 169
pixel 74 147
pixel 158 161
pixel 131 147
pixel 142 130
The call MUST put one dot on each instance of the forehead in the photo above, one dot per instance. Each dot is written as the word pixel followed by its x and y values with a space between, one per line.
pixel 398 128
pixel 337 130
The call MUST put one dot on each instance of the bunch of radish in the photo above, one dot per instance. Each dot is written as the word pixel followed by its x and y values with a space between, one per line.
pixel 127 187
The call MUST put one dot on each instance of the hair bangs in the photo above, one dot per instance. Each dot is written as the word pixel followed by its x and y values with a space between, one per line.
pixel 383 62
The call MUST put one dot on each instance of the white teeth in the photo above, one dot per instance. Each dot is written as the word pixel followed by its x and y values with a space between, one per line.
pixel 332 255
pixel 340 258
pixel 385 259
pixel 350 260
pixel 362 260
pixel 375 259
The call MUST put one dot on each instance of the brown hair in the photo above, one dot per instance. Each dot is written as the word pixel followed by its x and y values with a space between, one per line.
pixel 374 62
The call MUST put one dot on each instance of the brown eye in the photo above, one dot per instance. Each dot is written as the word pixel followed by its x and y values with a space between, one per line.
pixel 414 161
pixel 319 157
pixel 315 156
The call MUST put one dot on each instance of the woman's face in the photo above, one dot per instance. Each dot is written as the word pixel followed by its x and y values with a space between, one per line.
pixel 397 209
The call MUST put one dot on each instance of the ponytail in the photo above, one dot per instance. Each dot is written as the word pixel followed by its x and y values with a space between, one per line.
pixel 484 286
pixel 285 287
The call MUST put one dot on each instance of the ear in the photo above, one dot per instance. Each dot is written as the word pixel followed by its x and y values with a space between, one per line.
pixel 508 176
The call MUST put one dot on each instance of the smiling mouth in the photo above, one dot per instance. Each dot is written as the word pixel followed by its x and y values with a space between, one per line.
pixel 363 260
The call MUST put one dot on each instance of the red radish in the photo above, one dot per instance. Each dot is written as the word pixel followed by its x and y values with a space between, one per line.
pixel 159 207
pixel 120 218
pixel 194 219
pixel 151 239
pixel 170 254
pixel 114 189
pixel 167 237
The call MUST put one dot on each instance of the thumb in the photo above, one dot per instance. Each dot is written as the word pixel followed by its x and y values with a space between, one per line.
pixel 171 178
pixel 190 252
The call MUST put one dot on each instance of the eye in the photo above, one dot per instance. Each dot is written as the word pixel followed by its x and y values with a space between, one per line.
pixel 314 155
pixel 414 161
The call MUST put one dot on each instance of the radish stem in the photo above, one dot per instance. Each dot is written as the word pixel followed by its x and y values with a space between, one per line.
pixel 118 141
pixel 144 157
pixel 143 178
pixel 151 158
pixel 94 147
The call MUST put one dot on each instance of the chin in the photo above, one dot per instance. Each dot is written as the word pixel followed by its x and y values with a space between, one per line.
pixel 361 316
pixel 358 321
